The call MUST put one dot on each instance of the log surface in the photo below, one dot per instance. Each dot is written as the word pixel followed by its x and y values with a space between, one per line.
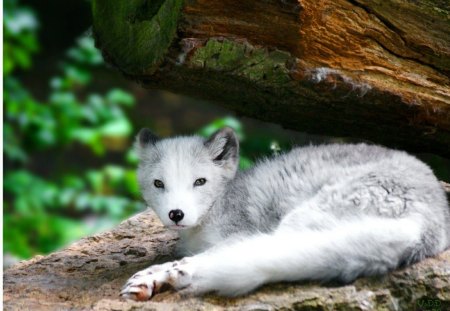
pixel 377 70
pixel 88 275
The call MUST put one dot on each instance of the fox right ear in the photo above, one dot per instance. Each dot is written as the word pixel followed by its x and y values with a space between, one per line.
pixel 146 137
pixel 223 145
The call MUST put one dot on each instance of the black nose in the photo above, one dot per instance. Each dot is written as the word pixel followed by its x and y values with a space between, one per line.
pixel 176 215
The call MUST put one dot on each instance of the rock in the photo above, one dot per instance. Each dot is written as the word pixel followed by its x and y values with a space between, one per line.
pixel 89 274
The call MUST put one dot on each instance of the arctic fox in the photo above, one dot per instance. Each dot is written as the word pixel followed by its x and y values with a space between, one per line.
pixel 331 212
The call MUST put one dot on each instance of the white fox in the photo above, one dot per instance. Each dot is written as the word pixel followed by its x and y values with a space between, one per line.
pixel 331 212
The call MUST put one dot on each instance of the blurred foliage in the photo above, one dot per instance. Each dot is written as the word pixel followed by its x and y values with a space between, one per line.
pixel 19 36
pixel 44 213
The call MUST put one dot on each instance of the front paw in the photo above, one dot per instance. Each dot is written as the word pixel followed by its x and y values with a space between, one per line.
pixel 145 284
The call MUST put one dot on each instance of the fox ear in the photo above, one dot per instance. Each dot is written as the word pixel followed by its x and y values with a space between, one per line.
pixel 146 137
pixel 223 145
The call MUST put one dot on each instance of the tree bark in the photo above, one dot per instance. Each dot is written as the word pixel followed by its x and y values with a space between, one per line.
pixel 88 275
pixel 377 70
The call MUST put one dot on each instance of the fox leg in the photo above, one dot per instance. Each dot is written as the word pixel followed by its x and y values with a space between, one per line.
pixel 363 247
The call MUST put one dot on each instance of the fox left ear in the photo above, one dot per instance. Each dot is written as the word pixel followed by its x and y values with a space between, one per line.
pixel 146 137
pixel 223 146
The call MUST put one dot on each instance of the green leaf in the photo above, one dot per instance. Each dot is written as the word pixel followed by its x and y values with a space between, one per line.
pixel 19 20
pixel 86 136
pixel 132 183
pixel 11 145
pixel 119 127
pixel 114 173
pixel 22 58
pixel 131 157
pixel 83 201
pixel 90 137
pixel 95 179
pixel 66 196
pixel 85 52
pixel 120 97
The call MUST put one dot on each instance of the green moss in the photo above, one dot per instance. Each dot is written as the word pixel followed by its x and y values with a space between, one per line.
pixel 245 60
pixel 314 304
pixel 135 34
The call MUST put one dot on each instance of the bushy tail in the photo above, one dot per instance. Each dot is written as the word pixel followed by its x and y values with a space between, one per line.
pixel 364 247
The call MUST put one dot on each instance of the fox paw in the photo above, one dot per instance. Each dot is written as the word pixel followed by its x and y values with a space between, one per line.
pixel 144 284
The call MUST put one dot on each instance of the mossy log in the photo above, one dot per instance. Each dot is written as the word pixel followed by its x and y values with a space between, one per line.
pixel 88 275
pixel 377 70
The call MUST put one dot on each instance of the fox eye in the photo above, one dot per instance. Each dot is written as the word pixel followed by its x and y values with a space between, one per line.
pixel 158 183
pixel 199 182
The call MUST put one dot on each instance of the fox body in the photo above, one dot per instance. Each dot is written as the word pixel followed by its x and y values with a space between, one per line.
pixel 331 212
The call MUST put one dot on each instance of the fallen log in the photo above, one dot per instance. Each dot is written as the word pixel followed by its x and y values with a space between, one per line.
pixel 377 70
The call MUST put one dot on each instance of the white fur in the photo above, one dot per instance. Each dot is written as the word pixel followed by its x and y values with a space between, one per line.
pixel 332 212
pixel 179 177
pixel 289 255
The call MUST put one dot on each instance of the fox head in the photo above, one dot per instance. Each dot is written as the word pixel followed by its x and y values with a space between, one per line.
pixel 181 178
